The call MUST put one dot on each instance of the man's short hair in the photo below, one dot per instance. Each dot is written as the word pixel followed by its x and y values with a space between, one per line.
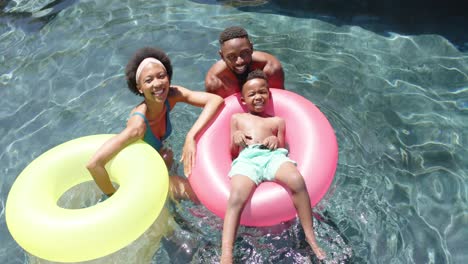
pixel 232 33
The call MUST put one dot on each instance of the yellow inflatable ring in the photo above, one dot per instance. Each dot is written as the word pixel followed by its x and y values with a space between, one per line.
pixel 53 233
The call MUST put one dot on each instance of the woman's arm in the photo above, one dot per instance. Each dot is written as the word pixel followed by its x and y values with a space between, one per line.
pixel 96 166
pixel 210 104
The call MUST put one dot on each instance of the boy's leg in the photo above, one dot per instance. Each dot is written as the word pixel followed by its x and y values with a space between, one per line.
pixel 288 175
pixel 241 188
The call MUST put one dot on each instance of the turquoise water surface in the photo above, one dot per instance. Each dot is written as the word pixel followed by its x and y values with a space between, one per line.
pixel 398 103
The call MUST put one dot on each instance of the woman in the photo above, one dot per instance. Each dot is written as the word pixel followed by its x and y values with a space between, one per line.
pixel 149 74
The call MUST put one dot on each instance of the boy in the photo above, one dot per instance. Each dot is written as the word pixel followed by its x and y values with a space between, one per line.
pixel 238 58
pixel 260 140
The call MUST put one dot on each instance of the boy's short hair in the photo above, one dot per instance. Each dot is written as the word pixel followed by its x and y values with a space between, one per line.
pixel 255 74
pixel 232 33
pixel 137 58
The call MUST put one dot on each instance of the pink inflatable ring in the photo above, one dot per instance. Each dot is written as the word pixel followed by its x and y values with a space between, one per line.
pixel 311 142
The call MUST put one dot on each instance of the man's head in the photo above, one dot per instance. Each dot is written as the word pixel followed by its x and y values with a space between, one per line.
pixel 255 91
pixel 232 33
pixel 236 49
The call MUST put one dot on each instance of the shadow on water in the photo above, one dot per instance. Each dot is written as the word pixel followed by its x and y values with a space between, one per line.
pixel 31 20
pixel 413 17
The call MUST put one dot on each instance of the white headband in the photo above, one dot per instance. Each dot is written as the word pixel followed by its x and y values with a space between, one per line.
pixel 143 64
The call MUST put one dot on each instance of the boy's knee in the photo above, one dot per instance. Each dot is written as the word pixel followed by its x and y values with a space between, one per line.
pixel 296 183
pixel 237 198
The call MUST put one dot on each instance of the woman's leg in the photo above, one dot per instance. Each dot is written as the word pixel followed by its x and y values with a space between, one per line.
pixel 168 157
pixel 179 187
pixel 241 188
pixel 288 175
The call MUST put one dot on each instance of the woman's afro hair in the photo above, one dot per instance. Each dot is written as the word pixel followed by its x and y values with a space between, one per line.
pixel 137 58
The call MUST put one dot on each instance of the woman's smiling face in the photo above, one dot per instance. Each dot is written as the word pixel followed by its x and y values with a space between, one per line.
pixel 153 82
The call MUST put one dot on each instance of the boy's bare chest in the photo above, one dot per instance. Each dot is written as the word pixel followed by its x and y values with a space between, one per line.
pixel 259 125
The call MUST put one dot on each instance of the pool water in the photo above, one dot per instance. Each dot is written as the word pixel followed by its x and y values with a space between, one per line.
pixel 398 101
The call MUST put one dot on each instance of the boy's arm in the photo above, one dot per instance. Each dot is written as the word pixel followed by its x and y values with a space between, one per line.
pixel 277 140
pixel 233 146
pixel 281 133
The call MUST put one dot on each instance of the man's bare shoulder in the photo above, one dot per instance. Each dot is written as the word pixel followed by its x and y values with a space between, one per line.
pixel 271 66
pixel 216 69
pixel 261 56
pixel 213 84
pixel 219 80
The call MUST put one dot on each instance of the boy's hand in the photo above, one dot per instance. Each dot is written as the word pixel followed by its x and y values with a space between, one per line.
pixel 271 142
pixel 239 139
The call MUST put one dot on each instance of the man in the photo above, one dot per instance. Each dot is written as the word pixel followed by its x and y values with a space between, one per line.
pixel 238 58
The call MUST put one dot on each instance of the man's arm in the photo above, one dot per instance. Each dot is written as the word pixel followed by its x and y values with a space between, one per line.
pixel 273 69
pixel 275 76
pixel 213 84
pixel 221 81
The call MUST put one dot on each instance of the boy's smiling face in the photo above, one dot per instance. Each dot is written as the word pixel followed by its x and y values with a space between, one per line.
pixel 256 95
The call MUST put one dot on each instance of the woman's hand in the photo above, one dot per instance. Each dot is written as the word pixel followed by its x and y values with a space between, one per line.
pixel 271 142
pixel 188 155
